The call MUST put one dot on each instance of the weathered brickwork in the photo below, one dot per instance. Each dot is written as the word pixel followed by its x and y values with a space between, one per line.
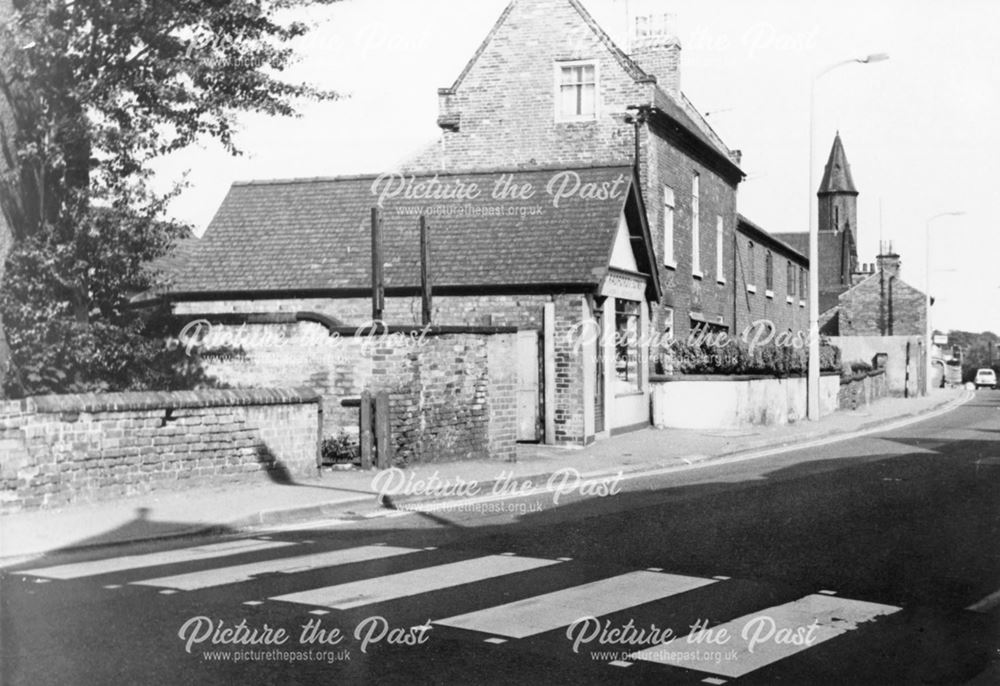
pixel 445 404
pixel 862 390
pixel 58 450
pixel 451 409
pixel 882 305
pixel 503 114
pixel 786 304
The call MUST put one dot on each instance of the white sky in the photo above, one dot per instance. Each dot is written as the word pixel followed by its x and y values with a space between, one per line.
pixel 921 131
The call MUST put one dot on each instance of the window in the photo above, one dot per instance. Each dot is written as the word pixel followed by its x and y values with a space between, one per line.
pixel 750 269
pixel 668 324
pixel 804 283
pixel 577 97
pixel 719 231
pixel 668 227
pixel 626 346
pixel 695 227
pixel 769 271
pixel 790 277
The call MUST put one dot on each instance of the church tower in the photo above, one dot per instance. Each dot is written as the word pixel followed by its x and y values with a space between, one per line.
pixel 838 222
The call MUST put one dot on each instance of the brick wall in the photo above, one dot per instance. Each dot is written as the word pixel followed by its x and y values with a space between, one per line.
pixel 58 450
pixel 445 405
pixel 751 298
pixel 458 403
pixel 505 113
pixel 883 306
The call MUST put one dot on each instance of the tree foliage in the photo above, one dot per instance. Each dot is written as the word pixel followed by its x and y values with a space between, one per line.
pixel 97 89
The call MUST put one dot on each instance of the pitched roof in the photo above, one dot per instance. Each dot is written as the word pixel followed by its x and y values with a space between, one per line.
pixel 837 176
pixel 663 102
pixel 748 227
pixel 314 234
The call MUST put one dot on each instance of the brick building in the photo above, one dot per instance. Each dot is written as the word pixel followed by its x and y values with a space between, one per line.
pixel 772 279
pixel 561 267
pixel 548 86
pixel 880 303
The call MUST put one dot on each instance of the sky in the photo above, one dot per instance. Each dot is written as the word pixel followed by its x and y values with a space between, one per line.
pixel 921 130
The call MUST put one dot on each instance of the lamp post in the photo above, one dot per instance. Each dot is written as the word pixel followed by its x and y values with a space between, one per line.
pixel 813 386
pixel 928 331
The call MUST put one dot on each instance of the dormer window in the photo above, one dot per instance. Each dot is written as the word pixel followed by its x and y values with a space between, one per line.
pixel 577 91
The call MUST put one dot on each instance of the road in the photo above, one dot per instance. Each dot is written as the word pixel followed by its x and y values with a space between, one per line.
pixel 851 563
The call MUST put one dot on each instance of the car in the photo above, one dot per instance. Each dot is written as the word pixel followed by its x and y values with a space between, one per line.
pixel 986 377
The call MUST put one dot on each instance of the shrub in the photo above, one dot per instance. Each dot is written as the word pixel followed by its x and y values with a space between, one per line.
pixel 340 449
pixel 737 358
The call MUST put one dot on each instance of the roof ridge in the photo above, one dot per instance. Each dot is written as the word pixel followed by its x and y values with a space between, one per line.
pixel 433 172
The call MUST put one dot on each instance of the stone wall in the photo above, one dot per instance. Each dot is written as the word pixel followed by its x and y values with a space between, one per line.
pixel 863 389
pixel 901 378
pixel 59 450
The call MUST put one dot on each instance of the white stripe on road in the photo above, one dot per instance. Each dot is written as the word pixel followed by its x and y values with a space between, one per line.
pixel 118 564
pixel 561 608
pixel 764 637
pixel 404 584
pixel 986 604
pixel 285 565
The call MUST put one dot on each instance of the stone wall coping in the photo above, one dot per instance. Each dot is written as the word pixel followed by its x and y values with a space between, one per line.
pixel 676 378
pixel 160 400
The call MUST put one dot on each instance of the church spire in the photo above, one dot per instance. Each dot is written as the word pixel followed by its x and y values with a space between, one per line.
pixel 837 177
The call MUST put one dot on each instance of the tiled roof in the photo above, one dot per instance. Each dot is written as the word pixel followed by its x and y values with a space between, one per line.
pixel 314 234
pixel 776 240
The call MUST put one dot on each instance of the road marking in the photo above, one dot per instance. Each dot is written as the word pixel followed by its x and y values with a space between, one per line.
pixel 722 578
pixel 549 611
pixel 495 641
pixel 712 680
pixel 828 592
pixel 986 604
pixel 404 584
pixel 620 663
pixel 119 564
pixel 112 587
pixel 755 638
pixel 168 591
pixel 319 613
pixel 230 575
pixel 654 569
pixel 565 559
pixel 253 603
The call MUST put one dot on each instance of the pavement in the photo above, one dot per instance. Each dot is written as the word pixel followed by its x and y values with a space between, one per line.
pixel 234 508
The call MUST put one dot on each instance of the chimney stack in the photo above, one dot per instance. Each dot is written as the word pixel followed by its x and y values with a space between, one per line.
pixel 889 263
pixel 655 46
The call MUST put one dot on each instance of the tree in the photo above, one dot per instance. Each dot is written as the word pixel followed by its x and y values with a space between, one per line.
pixel 98 88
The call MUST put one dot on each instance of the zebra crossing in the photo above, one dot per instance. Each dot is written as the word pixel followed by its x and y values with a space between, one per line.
pixel 755 640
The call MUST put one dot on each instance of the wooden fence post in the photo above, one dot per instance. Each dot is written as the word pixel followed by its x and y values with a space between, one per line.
pixel 383 435
pixel 365 433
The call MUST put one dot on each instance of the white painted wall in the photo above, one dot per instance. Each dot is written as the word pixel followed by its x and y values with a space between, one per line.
pixel 725 404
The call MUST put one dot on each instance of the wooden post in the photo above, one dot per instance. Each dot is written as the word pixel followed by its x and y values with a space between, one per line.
pixel 365 432
pixel 425 271
pixel 383 435
pixel 378 285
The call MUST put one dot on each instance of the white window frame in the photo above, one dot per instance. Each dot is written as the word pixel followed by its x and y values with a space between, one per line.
pixel 669 207
pixel 557 92
pixel 696 226
pixel 720 232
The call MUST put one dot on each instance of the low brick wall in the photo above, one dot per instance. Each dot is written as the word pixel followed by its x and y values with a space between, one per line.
pixel 59 450
pixel 863 389
pixel 725 402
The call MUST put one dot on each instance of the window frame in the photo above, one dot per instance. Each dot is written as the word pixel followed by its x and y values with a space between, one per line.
pixel 669 211
pixel 558 68
pixel 696 226
pixel 720 234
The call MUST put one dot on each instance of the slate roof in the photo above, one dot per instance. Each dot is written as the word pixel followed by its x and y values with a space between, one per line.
pixel 748 227
pixel 837 175
pixel 314 234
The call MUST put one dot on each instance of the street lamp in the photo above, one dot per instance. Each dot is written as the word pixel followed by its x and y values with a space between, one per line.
pixel 813 386
pixel 928 332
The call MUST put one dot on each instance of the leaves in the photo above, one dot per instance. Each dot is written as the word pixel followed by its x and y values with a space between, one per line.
pixel 95 90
